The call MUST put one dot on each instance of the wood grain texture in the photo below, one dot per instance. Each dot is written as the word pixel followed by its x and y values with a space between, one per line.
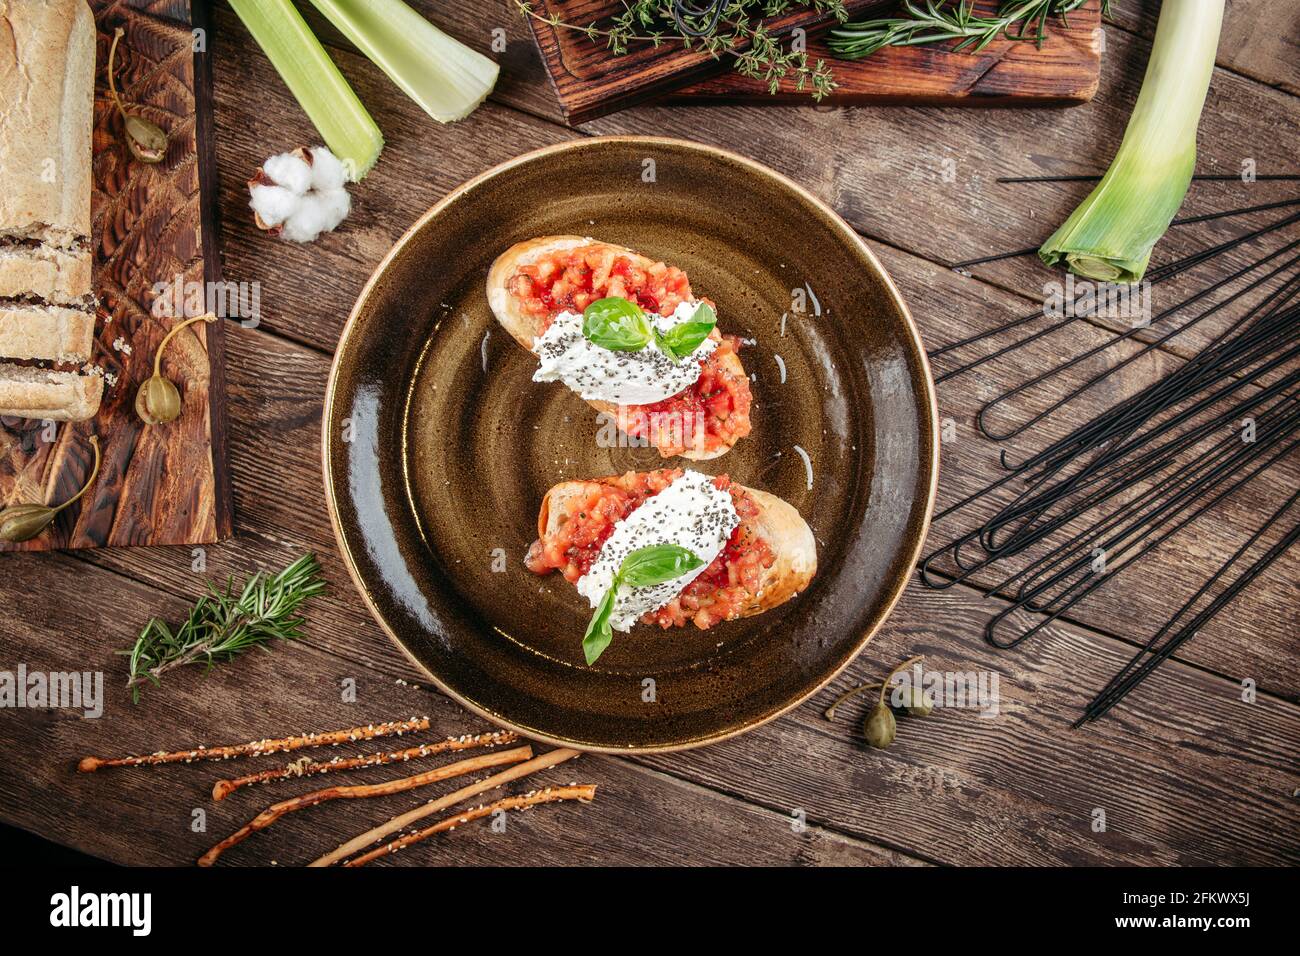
pixel 1062 72
pixel 162 485
pixel 880 181
pixel 589 81
pixel 1185 770
pixel 117 813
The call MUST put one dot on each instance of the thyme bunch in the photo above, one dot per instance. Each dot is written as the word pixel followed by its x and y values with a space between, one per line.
pixel 735 28
pixel 938 21
pixel 223 624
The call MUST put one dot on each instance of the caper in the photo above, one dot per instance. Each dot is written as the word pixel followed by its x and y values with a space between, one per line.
pixel 158 402
pixel 879 728
pixel 23 522
pixel 145 140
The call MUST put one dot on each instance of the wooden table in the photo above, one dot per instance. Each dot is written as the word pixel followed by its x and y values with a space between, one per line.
pixel 1185 771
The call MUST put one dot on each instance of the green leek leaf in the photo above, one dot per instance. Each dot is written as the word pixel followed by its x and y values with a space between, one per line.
pixel 1110 235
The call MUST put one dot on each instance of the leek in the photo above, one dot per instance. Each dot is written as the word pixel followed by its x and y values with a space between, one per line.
pixel 1110 235
pixel 322 92
pixel 446 78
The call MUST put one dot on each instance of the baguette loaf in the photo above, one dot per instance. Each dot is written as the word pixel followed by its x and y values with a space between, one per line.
pixel 47 94
pixel 47 89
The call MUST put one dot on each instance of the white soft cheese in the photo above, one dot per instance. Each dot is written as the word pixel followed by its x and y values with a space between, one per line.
pixel 692 513
pixel 624 378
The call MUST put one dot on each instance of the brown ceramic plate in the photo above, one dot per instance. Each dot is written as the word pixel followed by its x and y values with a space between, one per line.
pixel 438 447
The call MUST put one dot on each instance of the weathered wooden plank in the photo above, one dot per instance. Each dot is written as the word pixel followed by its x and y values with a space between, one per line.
pixel 1021 787
pixel 1260 38
pixel 147 815
pixel 957 787
pixel 1062 667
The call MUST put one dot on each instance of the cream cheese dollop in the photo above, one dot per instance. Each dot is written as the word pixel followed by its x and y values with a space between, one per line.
pixel 624 378
pixel 691 512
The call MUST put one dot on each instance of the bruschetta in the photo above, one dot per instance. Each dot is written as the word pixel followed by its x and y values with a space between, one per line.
pixel 693 403
pixel 671 547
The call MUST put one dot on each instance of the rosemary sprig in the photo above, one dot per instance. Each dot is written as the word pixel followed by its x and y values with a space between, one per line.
pixel 222 625
pixel 736 28
pixel 941 20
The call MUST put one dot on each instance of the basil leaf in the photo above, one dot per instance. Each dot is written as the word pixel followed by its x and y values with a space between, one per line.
pixel 616 324
pixel 657 564
pixel 681 340
pixel 599 633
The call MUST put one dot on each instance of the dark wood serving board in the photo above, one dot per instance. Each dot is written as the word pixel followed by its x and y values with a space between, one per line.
pixel 166 484
pixel 591 82
pixel 1062 72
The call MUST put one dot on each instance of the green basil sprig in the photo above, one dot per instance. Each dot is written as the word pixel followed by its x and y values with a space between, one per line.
pixel 681 340
pixel 642 568
pixel 616 324
pixel 621 326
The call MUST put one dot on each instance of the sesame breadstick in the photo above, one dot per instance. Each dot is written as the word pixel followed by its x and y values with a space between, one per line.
pixel 304 768
pixel 584 792
pixel 257 747
pixel 276 811
pixel 549 759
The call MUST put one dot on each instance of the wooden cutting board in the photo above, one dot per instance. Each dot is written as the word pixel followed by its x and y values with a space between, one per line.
pixel 166 484
pixel 591 82
pixel 1063 72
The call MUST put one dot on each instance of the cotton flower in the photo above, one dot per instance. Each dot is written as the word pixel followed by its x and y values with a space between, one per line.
pixel 301 194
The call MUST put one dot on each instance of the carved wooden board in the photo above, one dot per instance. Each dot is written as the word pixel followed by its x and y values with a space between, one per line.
pixel 590 81
pixel 151 225
pixel 1063 72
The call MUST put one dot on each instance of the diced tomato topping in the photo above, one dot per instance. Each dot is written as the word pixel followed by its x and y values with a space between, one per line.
pixel 713 412
pixel 728 586
pixel 572 279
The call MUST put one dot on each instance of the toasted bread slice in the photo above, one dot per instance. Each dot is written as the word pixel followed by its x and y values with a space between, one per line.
pixel 526 328
pixel 44 273
pixel 777 523
pixel 48 332
pixel 27 392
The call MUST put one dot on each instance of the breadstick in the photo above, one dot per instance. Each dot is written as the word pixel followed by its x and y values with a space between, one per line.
pixel 583 792
pixel 357 843
pixel 276 811
pixel 258 747
pixel 303 768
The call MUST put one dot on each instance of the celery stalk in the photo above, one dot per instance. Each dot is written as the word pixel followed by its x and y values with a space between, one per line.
pixel 446 78
pixel 1110 235
pixel 322 92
